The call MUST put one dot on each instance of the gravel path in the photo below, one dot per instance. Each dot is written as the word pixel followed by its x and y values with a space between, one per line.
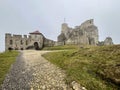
pixel 32 72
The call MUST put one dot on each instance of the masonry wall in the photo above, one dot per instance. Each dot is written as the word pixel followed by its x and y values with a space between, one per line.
pixel 48 42
pixel 16 42
pixel 19 42
pixel 86 33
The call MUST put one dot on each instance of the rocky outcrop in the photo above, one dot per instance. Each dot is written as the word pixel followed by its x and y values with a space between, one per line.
pixel 108 41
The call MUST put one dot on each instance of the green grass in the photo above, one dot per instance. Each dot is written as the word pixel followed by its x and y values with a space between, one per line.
pixel 96 68
pixel 6 59
pixel 61 47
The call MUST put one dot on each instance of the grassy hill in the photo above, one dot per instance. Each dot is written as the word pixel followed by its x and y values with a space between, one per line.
pixel 65 47
pixel 96 68
pixel 6 59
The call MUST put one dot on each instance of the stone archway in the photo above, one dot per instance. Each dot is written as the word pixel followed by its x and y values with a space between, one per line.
pixel 10 48
pixel 36 46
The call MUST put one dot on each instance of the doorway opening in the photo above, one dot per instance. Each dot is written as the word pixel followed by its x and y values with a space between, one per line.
pixel 36 46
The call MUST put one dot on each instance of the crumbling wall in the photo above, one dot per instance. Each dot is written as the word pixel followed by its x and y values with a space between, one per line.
pixel 86 33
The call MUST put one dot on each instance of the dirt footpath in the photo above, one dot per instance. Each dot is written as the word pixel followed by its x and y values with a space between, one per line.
pixel 32 72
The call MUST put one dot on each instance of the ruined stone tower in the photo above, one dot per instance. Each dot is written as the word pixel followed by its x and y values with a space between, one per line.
pixel 86 34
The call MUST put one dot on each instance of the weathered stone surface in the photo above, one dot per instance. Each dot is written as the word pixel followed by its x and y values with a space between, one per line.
pixel 77 86
pixel 108 41
pixel 35 40
pixel 86 33
pixel 61 37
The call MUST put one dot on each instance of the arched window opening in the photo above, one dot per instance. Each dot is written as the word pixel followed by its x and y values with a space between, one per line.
pixel 11 42
pixel 22 49
pixel 36 46
pixel 21 42
pixel 10 48
pixel 26 42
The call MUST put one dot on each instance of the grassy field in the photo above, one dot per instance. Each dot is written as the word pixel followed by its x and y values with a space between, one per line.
pixel 65 47
pixel 96 68
pixel 6 59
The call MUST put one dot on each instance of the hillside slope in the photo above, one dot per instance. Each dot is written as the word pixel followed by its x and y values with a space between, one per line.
pixel 96 68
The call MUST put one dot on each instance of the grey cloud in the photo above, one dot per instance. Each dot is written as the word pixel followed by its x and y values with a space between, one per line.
pixel 24 16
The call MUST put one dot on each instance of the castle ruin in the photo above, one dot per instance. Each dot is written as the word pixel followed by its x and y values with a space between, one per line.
pixel 86 34
pixel 35 40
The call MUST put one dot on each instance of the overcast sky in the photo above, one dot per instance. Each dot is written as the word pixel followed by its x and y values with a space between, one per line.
pixel 24 16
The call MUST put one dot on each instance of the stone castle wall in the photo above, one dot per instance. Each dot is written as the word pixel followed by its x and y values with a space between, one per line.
pixel 86 33
pixel 15 41
pixel 33 41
